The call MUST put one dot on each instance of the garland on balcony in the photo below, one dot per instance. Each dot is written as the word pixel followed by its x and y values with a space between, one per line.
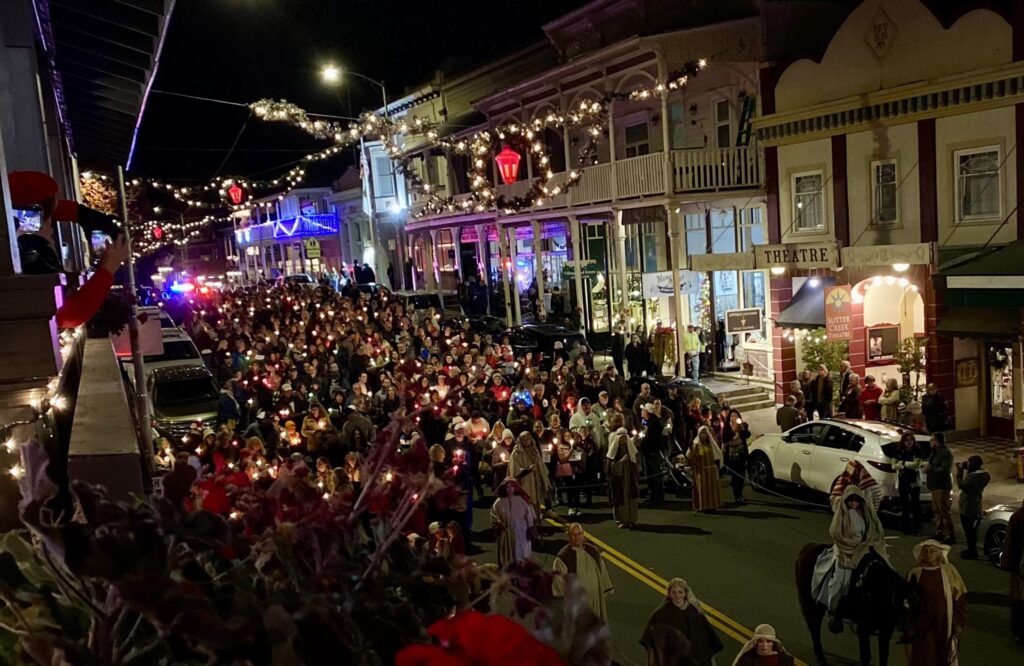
pixel 591 114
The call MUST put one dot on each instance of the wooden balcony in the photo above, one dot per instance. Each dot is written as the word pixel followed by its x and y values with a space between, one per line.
pixel 714 169
pixel 704 170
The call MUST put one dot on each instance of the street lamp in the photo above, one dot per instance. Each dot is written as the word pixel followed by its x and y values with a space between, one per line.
pixel 331 75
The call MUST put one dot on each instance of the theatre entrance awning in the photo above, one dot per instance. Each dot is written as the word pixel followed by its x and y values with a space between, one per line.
pixel 807 307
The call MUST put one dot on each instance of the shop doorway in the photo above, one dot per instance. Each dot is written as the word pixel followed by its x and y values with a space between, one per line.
pixel 999 357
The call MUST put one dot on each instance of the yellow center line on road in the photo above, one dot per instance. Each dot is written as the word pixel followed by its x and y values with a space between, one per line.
pixel 719 620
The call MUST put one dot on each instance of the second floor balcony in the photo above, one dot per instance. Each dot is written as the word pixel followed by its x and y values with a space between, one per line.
pixel 706 170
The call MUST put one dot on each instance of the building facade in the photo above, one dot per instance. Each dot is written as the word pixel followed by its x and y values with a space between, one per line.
pixel 891 150
pixel 675 175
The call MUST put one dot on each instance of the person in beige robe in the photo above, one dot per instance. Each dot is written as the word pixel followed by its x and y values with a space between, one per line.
pixel 705 458
pixel 527 467
pixel 584 562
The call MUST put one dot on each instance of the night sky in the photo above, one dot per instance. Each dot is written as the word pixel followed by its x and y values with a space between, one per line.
pixel 242 50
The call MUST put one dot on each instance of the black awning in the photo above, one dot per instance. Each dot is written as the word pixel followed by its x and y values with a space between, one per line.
pixel 990 323
pixel 807 307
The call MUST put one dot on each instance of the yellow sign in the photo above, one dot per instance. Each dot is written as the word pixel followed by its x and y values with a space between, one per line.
pixel 838 306
pixel 312 248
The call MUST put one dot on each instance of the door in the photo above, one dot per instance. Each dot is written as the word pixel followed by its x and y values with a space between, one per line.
pixel 838 447
pixel 999 357
pixel 793 455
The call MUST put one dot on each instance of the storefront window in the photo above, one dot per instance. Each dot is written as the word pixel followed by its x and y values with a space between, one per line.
pixel 723 231
pixel 1000 360
pixel 727 296
pixel 696 235
pixel 751 228
pixel 445 250
pixel 596 289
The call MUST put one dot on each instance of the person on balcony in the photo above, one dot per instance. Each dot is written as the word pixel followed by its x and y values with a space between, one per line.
pixel 34 198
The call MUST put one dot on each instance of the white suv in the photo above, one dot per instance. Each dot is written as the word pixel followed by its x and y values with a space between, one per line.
pixel 814 454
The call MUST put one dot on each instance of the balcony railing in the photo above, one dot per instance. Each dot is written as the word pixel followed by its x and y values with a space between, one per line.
pixel 640 176
pixel 703 170
pixel 713 169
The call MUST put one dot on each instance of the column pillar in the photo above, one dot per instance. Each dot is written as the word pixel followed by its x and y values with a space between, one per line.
pixel 429 273
pixel 538 262
pixel 677 262
pixel 939 364
pixel 666 134
pixel 503 270
pixel 611 149
pixel 577 257
pixel 482 261
pixel 620 254
pixel 517 306
pixel 783 351
pixel 22 120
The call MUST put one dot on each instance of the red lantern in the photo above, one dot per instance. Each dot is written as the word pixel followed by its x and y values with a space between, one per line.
pixel 236 193
pixel 508 165
pixel 158 232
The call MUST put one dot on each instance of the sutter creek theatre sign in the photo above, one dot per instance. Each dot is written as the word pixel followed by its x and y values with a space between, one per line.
pixel 796 255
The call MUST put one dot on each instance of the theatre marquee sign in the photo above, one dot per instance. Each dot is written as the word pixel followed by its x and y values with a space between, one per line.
pixel 796 255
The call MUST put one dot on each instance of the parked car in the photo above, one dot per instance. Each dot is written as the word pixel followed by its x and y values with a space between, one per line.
pixel 304 280
pixel 442 301
pixel 992 531
pixel 179 350
pixel 182 397
pixel 814 454
pixel 541 338
pixel 689 389
pixel 157 313
pixel 482 324
pixel 374 288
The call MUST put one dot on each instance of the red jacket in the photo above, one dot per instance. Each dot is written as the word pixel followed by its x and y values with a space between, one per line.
pixel 873 411
pixel 80 306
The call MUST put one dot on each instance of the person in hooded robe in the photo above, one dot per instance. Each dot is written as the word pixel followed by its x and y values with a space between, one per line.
pixel 513 518
pixel 940 611
pixel 705 458
pixel 526 465
pixel 623 478
pixel 856 531
pixel 680 613
pixel 763 649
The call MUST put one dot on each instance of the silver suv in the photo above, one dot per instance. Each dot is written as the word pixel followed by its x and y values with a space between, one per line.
pixel 182 397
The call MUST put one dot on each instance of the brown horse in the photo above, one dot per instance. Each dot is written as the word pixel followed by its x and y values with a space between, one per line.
pixel 874 603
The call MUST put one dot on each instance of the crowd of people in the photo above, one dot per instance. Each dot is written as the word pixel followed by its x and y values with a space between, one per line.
pixel 309 374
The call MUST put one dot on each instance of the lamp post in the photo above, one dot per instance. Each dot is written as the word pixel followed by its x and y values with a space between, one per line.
pixel 331 75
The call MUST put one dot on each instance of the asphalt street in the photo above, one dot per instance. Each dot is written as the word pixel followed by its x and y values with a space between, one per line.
pixel 740 563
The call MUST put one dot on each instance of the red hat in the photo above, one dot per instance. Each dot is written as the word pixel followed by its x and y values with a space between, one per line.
pixel 66 211
pixel 31 188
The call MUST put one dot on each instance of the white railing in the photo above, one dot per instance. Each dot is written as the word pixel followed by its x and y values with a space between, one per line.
pixel 640 176
pixel 595 185
pixel 717 169
pixel 513 190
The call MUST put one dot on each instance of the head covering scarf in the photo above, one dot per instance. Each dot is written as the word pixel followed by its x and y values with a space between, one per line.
pixel 715 448
pixel 691 598
pixel 849 548
pixel 613 445
pixel 762 631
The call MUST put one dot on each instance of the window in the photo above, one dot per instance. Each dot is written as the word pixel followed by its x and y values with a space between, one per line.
pixel 723 231
pixel 809 433
pixel 883 193
pixel 840 438
pixel 751 228
pixel 723 124
pixel 382 178
pixel 637 140
pixel 696 236
pixel 445 250
pixel 808 201
pixel 977 184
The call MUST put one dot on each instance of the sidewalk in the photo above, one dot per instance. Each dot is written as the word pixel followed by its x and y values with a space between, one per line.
pixel 1000 464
